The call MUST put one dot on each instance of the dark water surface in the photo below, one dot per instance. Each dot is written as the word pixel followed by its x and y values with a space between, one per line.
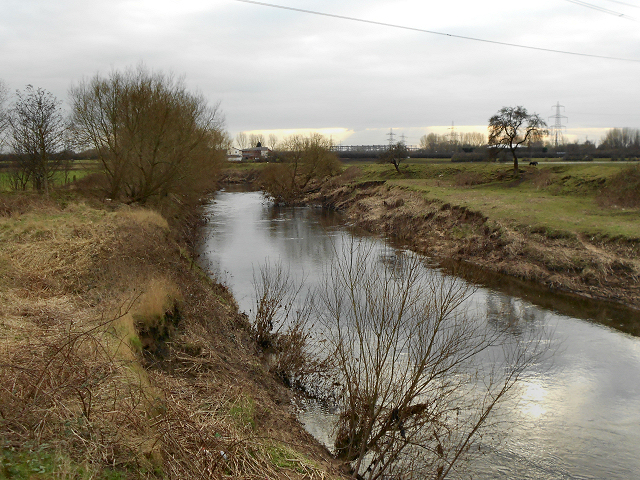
pixel 576 417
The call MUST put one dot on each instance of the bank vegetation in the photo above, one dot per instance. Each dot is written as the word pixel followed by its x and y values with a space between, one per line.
pixel 572 228
pixel 120 359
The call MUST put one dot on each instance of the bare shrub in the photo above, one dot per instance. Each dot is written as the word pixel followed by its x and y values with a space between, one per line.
pixel 74 386
pixel 419 377
pixel 278 180
pixel 152 136
pixel 281 326
pixel 302 161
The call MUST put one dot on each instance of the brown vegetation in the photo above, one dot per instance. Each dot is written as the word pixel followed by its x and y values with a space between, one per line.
pixel 303 161
pixel 408 364
pixel 120 360
pixel 281 326
pixel 153 137
pixel 591 266
pixel 623 189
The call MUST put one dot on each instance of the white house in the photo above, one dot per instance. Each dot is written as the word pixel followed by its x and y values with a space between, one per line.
pixel 234 154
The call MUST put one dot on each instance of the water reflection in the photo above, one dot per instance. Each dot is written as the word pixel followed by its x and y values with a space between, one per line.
pixel 607 313
pixel 577 416
pixel 512 314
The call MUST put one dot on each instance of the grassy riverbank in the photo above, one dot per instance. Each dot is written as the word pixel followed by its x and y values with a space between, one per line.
pixel 570 227
pixel 120 359
pixel 566 199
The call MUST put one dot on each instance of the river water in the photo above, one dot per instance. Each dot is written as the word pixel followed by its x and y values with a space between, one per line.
pixel 577 416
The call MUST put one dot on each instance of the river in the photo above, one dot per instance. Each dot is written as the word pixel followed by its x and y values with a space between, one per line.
pixel 576 417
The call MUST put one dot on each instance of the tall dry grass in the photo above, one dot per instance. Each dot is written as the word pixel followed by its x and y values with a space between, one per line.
pixel 116 357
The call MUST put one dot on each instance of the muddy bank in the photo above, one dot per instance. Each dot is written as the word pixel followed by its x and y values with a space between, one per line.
pixel 592 267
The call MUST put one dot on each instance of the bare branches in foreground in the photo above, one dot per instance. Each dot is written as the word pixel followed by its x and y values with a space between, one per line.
pixel 420 378
pixel 282 327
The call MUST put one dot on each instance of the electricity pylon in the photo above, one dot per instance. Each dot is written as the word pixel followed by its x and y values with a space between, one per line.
pixel 391 135
pixel 557 126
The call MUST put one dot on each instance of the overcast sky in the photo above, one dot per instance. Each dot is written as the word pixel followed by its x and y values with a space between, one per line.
pixel 278 69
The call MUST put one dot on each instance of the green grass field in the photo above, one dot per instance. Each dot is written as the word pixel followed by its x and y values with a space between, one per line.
pixel 81 168
pixel 559 199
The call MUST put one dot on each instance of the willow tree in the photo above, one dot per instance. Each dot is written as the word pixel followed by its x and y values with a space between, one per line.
pixel 514 126
pixel 153 137
pixel 302 160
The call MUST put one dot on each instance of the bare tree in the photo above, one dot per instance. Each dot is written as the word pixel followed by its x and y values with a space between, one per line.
pixel 473 139
pixel 4 117
pixel 435 142
pixel 429 141
pixel 621 138
pixel 152 136
pixel 394 155
pixel 242 141
pixel 419 379
pixel 301 161
pixel 38 132
pixel 512 127
pixel 272 141
pixel 255 139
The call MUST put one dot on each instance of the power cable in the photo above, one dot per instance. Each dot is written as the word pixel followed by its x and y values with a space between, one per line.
pixel 624 3
pixel 603 10
pixel 421 30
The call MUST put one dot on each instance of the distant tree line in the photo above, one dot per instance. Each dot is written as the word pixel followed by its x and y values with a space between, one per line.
pixel 616 144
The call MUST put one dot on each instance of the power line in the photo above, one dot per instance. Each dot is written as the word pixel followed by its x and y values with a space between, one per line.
pixel 421 30
pixel 603 10
pixel 624 3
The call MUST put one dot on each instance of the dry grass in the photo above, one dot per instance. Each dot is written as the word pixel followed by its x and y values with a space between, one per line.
pixel 467 178
pixel 118 361
pixel 622 190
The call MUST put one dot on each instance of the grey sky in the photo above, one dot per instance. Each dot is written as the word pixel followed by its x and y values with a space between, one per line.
pixel 275 69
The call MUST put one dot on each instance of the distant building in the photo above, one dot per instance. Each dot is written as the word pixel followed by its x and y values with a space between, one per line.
pixel 234 154
pixel 256 153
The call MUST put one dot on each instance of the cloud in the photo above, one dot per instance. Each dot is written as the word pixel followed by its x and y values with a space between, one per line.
pixel 281 70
